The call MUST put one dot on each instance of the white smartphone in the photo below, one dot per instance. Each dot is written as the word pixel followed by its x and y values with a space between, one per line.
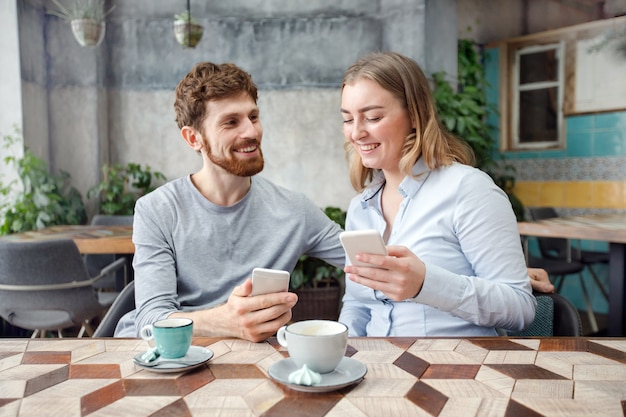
pixel 266 281
pixel 362 241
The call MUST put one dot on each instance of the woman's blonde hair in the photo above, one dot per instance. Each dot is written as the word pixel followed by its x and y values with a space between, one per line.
pixel 403 78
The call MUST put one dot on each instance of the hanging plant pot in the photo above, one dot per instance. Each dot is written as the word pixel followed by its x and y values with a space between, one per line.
pixel 88 32
pixel 188 34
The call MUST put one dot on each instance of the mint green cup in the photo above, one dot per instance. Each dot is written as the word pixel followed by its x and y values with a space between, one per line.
pixel 172 337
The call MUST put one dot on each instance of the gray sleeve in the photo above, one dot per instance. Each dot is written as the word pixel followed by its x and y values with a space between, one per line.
pixel 324 240
pixel 154 265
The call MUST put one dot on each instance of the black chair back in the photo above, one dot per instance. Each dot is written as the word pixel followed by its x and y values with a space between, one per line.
pixel 554 248
pixel 124 303
pixel 555 316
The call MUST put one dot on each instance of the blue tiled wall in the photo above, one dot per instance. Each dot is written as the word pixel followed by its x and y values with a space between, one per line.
pixel 592 135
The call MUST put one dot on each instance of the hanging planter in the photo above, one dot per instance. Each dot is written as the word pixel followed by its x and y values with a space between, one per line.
pixel 86 18
pixel 88 32
pixel 187 31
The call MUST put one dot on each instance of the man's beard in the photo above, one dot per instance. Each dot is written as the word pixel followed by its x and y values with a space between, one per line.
pixel 241 168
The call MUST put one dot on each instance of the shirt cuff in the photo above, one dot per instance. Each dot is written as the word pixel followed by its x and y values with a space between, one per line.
pixel 441 289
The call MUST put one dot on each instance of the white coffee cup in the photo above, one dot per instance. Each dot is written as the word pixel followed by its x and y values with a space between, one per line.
pixel 318 344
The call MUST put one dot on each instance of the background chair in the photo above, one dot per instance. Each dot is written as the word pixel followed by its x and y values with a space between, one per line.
pixel 559 269
pixel 124 303
pixel 587 257
pixel 555 316
pixel 44 285
pixel 112 282
pixel 556 268
pixel 560 250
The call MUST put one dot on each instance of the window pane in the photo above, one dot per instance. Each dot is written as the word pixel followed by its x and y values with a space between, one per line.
pixel 538 66
pixel 538 116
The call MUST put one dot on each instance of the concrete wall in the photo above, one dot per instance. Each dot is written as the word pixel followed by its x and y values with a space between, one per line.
pixel 84 107
pixel 10 87
pixel 87 106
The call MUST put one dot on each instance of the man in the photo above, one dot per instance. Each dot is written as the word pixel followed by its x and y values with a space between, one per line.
pixel 198 238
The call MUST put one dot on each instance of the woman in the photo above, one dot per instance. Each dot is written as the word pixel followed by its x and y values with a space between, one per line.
pixel 455 265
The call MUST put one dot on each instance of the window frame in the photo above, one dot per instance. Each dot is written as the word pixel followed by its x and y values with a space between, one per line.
pixel 559 47
pixel 569 38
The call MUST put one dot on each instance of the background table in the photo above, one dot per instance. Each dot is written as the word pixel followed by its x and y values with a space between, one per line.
pixel 405 377
pixel 608 228
pixel 89 239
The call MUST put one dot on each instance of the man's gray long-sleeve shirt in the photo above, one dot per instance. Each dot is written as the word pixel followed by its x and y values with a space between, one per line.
pixel 190 253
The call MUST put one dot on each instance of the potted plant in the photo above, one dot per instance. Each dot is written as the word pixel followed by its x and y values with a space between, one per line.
pixel 464 113
pixel 187 30
pixel 86 18
pixel 122 186
pixel 37 198
pixel 318 284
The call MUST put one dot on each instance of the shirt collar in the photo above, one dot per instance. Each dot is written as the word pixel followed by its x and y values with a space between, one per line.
pixel 409 186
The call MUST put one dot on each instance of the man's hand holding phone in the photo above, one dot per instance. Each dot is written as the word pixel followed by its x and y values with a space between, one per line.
pixel 257 308
pixel 267 281
pixel 245 317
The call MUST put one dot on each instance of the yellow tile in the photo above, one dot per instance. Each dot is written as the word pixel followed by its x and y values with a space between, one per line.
pixel 578 194
pixel 528 192
pixel 608 194
pixel 552 193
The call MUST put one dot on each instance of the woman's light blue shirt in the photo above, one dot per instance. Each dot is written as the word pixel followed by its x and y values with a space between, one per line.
pixel 462 226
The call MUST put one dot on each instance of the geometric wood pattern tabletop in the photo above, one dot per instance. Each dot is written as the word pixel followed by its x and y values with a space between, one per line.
pixel 405 377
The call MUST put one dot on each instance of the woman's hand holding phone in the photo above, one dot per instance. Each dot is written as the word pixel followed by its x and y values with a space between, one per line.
pixel 400 278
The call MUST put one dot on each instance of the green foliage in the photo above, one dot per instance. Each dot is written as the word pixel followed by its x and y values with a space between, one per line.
pixel 615 37
pixel 122 186
pixel 312 272
pixel 43 199
pixel 81 9
pixel 464 113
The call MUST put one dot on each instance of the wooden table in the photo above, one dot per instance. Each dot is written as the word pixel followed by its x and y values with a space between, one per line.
pixel 609 228
pixel 405 377
pixel 89 239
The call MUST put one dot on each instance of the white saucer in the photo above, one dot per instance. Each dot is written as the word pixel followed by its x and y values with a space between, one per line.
pixel 196 356
pixel 348 372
